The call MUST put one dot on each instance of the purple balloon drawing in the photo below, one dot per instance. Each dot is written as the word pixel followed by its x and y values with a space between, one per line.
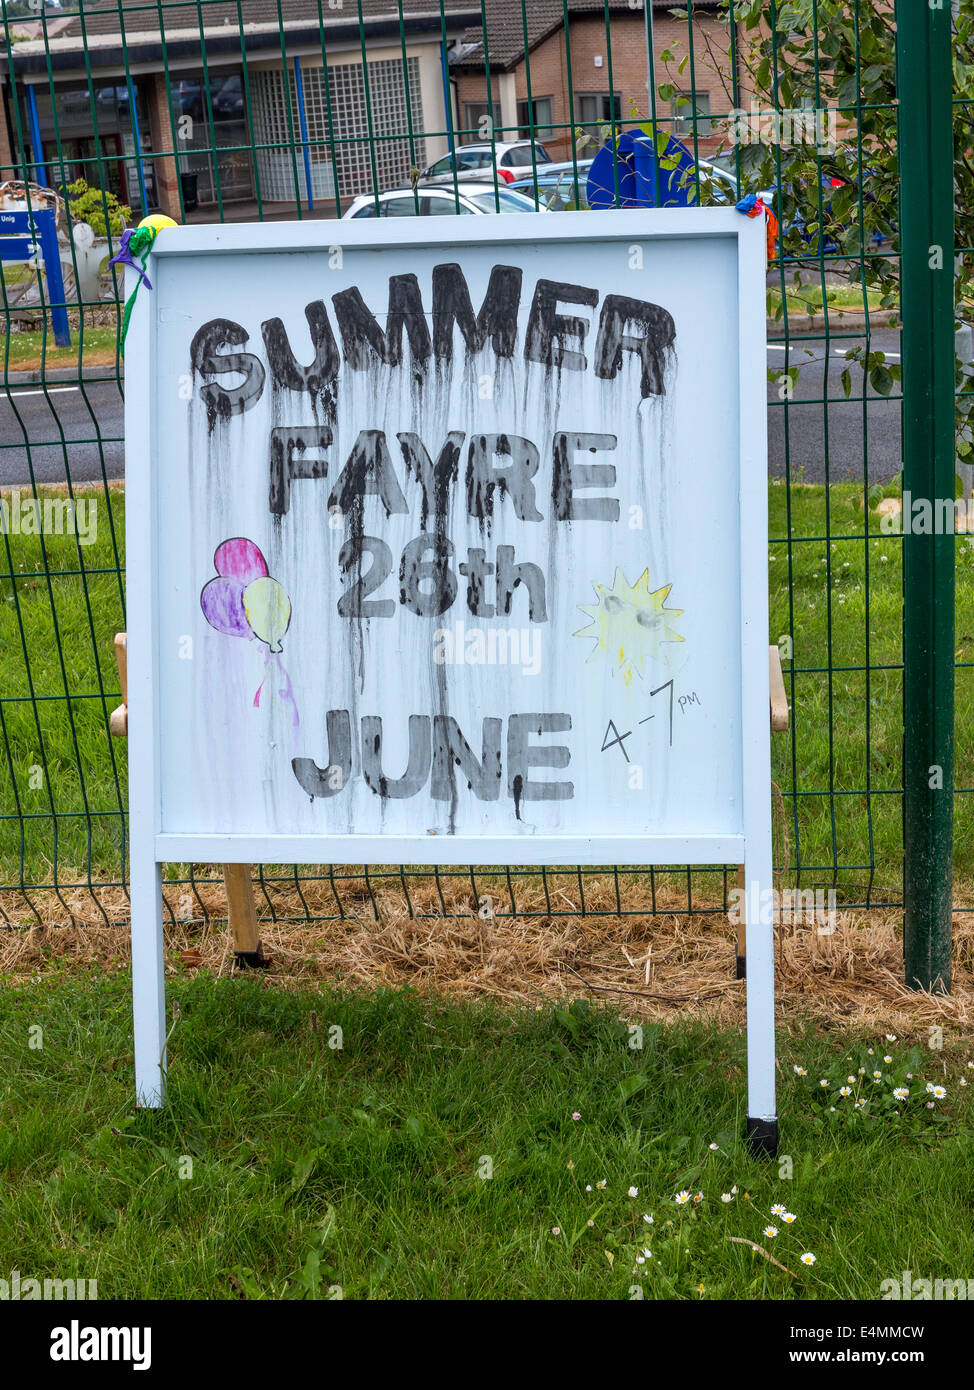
pixel 223 607
pixel 238 562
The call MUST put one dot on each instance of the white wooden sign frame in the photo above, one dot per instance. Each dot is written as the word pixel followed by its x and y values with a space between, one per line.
pixel 150 848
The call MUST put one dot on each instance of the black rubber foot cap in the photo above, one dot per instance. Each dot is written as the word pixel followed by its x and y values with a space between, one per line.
pixel 252 960
pixel 762 1137
pixel 741 967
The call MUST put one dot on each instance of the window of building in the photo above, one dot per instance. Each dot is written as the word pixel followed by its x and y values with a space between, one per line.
pixel 535 118
pixel 595 114
pixel 685 106
pixel 476 122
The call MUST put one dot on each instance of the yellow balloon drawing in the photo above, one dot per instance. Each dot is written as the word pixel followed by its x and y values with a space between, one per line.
pixel 268 610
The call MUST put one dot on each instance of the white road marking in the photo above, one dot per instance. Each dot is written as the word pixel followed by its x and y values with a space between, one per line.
pixel 40 391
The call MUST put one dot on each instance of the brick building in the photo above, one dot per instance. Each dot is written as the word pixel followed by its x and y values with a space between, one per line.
pixel 592 74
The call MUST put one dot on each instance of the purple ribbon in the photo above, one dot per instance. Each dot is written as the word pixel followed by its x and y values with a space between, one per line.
pixel 124 256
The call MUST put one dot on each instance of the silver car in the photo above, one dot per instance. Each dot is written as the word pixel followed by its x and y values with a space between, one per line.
pixel 438 202
pixel 481 163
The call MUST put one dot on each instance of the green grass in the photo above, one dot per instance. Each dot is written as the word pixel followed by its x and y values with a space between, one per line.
pixel 366 1167
pixel 835 597
pixel 807 299
pixel 36 351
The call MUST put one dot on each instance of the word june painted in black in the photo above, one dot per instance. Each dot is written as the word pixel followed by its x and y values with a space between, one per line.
pixel 438 750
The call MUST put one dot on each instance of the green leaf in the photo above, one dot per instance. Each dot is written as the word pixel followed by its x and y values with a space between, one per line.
pixel 631 1085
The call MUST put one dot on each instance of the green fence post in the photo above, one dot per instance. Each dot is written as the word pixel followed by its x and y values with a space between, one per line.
pixel 926 156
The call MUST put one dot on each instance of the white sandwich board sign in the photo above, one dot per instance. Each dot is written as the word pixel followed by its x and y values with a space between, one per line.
pixel 447 544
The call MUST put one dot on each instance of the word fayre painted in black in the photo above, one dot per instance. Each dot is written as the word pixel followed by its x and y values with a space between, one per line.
pixel 552 339
pixel 437 751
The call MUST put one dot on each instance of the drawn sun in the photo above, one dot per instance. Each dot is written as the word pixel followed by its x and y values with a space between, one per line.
pixel 630 624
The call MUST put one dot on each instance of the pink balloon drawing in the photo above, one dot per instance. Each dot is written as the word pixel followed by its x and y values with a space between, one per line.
pixel 243 600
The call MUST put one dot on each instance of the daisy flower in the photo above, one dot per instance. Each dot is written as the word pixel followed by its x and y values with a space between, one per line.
pixel 576 1114
pixel 556 1230
pixel 699 1197
pixel 901 1092
pixel 887 1060
pixel 823 1082
pixel 877 1075
pixel 800 1071
pixel 634 1192
pixel 845 1090
pixel 939 1093
pixel 601 1184
pixel 778 1209
pixel 808 1258
pixel 647 1218
pixel 682 1198
pixel 851 1080
pixel 891 1037
pixel 771 1231
pixel 715 1147
pixel 727 1196
pixel 789 1217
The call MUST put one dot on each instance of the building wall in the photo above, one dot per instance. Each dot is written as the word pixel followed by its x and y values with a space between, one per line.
pixel 549 70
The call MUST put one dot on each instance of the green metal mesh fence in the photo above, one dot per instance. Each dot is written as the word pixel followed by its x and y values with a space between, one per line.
pixel 260 109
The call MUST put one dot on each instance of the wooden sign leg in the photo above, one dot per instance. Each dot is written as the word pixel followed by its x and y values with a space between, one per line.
pixel 243 916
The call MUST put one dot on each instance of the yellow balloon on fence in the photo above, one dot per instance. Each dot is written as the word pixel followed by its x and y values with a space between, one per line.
pixel 157 221
pixel 268 610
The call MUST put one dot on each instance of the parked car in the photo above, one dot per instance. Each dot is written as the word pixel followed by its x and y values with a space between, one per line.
pixel 438 202
pixel 558 186
pixel 483 163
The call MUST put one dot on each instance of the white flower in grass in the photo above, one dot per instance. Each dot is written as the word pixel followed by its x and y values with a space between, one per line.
pixel 877 1076
pixel 715 1147
pixel 734 1191
pixel 800 1071
pixel 727 1196
pixel 891 1037
pixel 887 1060
pixel 588 1187
pixel 699 1197
pixel 963 1081
pixel 634 1192
pixel 778 1209
pixel 929 1086
pixel 851 1080
pixel 590 1222
pixel 647 1218
pixel 808 1258
pixel 862 1071
pixel 640 1260
pixel 556 1230
pixel 845 1090
pixel 970 1066
pixel 682 1198
pixel 771 1232
pixel 939 1093
pixel 823 1082
pixel 601 1184
pixel 647 1254
pixel 789 1218
pixel 901 1092
pixel 869 1052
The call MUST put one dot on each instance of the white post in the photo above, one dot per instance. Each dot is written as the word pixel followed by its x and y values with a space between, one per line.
pixel 148 982
pixel 148 962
